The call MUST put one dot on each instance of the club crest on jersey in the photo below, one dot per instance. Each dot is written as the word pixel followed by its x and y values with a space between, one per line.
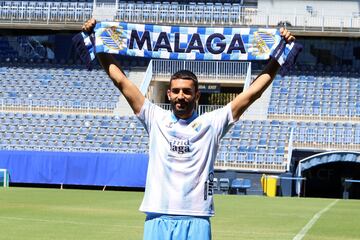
pixel 180 146
pixel 170 124
pixel 196 126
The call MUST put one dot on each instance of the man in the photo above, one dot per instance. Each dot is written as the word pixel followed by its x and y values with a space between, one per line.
pixel 178 199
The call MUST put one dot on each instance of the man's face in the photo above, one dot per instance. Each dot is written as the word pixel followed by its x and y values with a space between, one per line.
pixel 183 97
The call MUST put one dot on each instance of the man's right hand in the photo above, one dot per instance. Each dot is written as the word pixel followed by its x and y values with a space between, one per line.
pixel 89 26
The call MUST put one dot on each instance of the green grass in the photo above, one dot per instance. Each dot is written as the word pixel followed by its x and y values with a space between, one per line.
pixel 28 213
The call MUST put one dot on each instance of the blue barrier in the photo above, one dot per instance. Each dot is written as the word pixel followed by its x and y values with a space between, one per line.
pixel 100 169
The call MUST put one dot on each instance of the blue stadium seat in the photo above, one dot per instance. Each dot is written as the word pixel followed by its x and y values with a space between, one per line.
pixel 224 185
pixel 240 185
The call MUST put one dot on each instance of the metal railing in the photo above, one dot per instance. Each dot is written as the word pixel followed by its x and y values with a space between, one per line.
pixel 66 106
pixel 33 105
pixel 312 114
pixel 69 148
pixel 259 162
pixel 329 139
pixel 201 108
pixel 230 15
pixel 206 70
pixel 44 12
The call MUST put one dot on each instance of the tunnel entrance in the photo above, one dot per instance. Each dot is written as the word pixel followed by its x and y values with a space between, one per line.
pixel 328 180
pixel 330 175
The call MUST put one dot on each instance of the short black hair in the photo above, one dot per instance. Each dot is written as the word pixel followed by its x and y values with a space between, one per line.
pixel 186 74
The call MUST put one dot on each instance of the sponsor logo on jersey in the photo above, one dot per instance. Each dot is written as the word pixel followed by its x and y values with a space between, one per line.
pixel 180 146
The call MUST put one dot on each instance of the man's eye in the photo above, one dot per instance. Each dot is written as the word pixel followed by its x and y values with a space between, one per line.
pixel 187 91
pixel 176 91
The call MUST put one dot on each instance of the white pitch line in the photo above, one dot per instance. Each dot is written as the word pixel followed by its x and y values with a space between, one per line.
pixel 312 221
pixel 66 222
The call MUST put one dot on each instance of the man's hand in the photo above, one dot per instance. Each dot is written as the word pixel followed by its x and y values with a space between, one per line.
pixel 288 37
pixel 89 26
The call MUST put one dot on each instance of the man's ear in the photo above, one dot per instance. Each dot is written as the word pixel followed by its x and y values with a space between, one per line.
pixel 197 95
pixel 168 94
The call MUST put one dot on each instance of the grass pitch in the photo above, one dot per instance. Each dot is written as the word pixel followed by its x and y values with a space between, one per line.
pixel 35 213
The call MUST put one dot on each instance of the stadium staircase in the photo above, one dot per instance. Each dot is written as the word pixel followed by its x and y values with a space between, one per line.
pixel 122 107
pixel 6 50
pixel 27 48
pixel 259 109
pixel 104 12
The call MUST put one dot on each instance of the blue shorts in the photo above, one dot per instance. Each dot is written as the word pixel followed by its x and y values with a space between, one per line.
pixel 170 227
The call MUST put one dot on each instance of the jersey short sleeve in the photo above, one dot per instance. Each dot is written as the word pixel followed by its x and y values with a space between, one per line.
pixel 150 113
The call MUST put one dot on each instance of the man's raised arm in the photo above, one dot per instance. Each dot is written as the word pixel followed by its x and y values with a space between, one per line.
pixel 261 83
pixel 113 69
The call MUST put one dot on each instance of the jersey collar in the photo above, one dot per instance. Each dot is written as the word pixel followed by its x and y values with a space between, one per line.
pixel 174 118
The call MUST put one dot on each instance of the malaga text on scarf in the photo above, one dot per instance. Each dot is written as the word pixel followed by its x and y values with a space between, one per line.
pixel 185 42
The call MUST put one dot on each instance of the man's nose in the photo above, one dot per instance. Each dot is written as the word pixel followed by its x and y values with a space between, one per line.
pixel 181 94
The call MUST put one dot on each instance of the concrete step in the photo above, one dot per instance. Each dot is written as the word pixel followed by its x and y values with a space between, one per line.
pixel 123 107
pixel 104 12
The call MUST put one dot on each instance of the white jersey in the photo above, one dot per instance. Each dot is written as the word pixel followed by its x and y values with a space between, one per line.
pixel 181 160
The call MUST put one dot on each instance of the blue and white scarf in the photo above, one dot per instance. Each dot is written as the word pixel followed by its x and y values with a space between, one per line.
pixel 180 42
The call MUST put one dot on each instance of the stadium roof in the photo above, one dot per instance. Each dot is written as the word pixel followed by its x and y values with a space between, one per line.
pixel 327 157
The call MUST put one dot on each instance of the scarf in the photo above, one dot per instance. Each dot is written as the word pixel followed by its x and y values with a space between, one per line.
pixel 186 43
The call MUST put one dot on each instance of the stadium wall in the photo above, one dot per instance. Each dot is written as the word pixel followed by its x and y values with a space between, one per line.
pixel 76 168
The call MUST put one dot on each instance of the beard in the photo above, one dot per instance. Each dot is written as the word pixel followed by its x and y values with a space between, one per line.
pixel 183 108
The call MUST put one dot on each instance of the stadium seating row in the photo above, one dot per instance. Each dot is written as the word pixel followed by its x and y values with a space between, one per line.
pixel 249 141
pixel 60 132
pixel 53 11
pixel 217 12
pixel 317 96
pixel 213 13
pixel 344 70
pixel 54 87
